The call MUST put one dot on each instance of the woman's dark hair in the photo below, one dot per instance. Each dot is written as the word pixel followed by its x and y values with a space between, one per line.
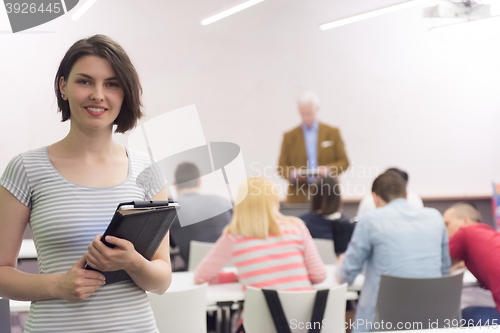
pixel 325 196
pixel 106 48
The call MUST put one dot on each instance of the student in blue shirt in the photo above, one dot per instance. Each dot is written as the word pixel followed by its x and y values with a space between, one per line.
pixel 398 240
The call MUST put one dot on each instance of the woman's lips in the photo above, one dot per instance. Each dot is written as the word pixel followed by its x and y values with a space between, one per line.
pixel 95 111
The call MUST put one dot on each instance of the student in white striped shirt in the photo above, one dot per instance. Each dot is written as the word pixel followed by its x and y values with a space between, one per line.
pixel 68 192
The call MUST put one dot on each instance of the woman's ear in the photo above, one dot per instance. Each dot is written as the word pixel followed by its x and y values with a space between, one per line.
pixel 62 87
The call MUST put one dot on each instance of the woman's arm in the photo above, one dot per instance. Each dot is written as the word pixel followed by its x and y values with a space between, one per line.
pixel 209 269
pixel 154 276
pixel 315 266
pixel 75 285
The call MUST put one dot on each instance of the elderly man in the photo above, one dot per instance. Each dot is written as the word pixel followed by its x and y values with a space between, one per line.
pixel 313 148
pixel 478 245
pixel 397 239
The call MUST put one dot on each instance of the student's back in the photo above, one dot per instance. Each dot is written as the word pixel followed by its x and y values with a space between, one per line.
pixel 207 229
pixel 395 239
pixel 408 241
pixel 337 228
pixel 269 250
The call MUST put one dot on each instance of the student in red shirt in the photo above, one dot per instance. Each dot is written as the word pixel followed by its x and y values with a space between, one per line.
pixel 478 245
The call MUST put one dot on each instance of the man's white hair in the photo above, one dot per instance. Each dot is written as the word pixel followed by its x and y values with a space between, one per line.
pixel 309 98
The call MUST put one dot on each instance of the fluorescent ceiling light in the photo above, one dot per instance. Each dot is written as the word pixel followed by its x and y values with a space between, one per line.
pixel 368 15
pixel 461 24
pixel 83 9
pixel 230 11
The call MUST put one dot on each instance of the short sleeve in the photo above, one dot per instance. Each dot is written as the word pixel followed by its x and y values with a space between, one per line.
pixel 15 180
pixel 153 180
pixel 150 176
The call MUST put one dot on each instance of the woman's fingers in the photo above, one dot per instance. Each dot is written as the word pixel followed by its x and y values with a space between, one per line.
pixel 118 242
pixel 78 283
pixel 103 258
pixel 86 288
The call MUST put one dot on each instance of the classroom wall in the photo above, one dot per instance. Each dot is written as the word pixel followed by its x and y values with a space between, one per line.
pixel 402 96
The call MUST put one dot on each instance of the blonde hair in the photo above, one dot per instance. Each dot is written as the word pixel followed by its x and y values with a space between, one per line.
pixel 257 215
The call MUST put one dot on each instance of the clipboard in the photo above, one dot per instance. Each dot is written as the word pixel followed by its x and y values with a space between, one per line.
pixel 143 223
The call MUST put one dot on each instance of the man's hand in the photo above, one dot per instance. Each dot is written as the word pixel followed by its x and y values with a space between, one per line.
pixel 323 170
pixel 457 266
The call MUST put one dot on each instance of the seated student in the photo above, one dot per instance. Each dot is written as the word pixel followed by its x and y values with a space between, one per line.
pixel 397 239
pixel 478 245
pixel 325 219
pixel 367 203
pixel 195 224
pixel 269 250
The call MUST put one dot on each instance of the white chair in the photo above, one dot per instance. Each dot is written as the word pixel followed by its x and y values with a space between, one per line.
pixel 182 311
pixel 298 307
pixel 197 251
pixel 326 250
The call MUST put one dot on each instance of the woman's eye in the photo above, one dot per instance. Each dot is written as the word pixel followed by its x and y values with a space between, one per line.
pixel 83 81
pixel 113 84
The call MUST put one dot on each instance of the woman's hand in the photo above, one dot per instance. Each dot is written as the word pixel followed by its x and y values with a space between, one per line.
pixel 105 259
pixel 79 283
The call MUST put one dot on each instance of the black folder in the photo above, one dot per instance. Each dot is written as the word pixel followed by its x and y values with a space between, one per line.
pixel 144 224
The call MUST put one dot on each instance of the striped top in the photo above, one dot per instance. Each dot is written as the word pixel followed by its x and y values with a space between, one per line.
pixel 65 218
pixel 290 262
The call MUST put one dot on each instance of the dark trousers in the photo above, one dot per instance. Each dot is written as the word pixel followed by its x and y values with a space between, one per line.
pixel 481 316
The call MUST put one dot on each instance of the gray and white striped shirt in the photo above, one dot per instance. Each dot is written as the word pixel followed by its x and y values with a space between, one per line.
pixel 65 218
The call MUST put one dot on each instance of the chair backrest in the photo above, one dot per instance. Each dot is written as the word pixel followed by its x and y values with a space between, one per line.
pixel 425 301
pixel 197 251
pixel 326 250
pixel 182 311
pixel 4 315
pixel 298 307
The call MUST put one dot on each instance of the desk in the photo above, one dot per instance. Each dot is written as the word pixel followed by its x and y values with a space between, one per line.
pixel 234 291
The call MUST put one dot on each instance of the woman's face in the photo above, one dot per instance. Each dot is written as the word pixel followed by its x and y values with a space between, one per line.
pixel 93 92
